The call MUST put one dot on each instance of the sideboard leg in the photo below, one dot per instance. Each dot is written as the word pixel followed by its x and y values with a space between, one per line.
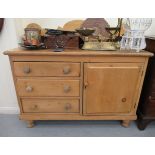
pixel 125 123
pixel 30 124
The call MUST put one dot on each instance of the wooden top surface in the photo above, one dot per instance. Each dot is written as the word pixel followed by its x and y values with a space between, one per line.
pixel 152 37
pixel 21 51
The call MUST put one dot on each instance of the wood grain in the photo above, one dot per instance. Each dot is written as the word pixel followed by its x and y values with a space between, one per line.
pixel 72 25
pixel 47 52
pixel 110 87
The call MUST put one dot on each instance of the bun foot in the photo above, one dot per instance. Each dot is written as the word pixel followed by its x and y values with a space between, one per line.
pixel 30 124
pixel 142 124
pixel 126 123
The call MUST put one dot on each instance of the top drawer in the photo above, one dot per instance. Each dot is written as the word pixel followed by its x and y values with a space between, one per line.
pixel 46 69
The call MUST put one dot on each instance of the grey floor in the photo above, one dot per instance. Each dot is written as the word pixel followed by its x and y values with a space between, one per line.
pixel 11 126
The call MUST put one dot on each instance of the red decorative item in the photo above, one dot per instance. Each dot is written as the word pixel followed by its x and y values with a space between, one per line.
pixel 1 23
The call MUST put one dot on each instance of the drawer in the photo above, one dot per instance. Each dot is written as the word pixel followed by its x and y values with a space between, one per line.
pixel 46 69
pixel 152 95
pixel 150 108
pixel 152 88
pixel 50 105
pixel 48 87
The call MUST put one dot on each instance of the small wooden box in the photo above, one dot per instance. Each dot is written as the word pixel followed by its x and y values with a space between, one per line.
pixel 69 42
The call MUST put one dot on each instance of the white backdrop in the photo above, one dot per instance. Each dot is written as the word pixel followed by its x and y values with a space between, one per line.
pixel 9 38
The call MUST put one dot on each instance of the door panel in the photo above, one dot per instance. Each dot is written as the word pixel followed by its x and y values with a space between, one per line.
pixel 110 87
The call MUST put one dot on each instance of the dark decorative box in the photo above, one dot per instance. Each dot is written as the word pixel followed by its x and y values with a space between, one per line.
pixel 57 38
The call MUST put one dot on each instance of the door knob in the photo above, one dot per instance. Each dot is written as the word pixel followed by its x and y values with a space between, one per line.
pixel 124 99
pixel 85 85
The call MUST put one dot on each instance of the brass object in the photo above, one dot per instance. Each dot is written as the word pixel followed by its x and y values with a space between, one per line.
pixel 86 31
pixel 90 45
pixel 115 32
pixel 95 41
pixel 99 24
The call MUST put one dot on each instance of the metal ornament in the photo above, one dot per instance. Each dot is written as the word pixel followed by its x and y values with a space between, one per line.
pixel 93 40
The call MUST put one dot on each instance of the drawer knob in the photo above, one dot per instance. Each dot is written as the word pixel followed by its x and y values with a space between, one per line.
pixel 26 70
pixel 68 106
pixel 66 70
pixel 29 89
pixel 123 99
pixel 67 88
pixel 35 107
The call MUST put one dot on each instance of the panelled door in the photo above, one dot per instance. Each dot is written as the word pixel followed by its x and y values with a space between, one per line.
pixel 110 87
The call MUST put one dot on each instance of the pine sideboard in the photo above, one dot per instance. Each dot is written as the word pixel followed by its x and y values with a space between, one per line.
pixel 78 84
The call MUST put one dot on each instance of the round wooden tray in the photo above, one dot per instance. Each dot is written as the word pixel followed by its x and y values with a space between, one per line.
pixel 72 25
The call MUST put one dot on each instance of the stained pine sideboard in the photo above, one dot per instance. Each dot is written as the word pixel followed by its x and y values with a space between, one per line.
pixel 78 84
pixel 146 108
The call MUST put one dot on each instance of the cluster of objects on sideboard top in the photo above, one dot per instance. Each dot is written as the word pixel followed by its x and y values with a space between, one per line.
pixel 89 34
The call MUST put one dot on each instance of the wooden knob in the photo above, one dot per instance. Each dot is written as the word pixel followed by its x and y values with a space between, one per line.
pixel 66 70
pixel 67 88
pixel 85 85
pixel 150 97
pixel 35 107
pixel 29 89
pixel 123 99
pixel 26 70
pixel 68 106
